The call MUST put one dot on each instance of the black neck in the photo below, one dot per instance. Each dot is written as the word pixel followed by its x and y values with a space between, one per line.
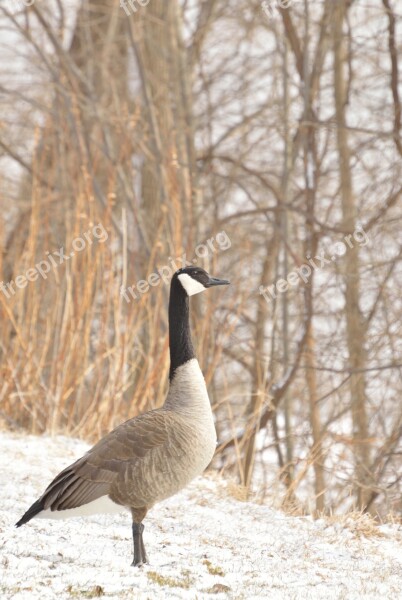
pixel 181 347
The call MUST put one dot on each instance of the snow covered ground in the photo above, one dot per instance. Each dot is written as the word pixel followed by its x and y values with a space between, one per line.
pixel 202 543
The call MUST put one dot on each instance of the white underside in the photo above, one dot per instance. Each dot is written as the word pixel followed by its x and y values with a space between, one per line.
pixel 101 505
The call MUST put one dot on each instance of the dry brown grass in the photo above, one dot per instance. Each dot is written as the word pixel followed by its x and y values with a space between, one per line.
pixel 359 523
pixel 76 357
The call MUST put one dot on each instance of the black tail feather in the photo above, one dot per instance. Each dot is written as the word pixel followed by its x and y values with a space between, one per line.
pixel 36 508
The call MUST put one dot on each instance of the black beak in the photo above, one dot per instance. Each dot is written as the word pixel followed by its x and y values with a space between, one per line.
pixel 214 281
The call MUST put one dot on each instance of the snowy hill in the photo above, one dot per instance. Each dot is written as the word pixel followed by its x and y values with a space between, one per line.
pixel 202 544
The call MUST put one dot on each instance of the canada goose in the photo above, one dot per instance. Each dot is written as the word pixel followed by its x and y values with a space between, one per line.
pixel 150 457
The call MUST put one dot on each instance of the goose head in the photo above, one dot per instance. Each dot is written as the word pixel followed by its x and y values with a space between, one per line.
pixel 195 280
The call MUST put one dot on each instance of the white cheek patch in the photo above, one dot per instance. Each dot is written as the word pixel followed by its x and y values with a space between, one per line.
pixel 191 285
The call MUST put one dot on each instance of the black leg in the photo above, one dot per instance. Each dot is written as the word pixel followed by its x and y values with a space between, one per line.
pixel 140 556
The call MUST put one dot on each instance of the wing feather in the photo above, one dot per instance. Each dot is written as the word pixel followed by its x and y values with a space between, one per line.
pixel 91 476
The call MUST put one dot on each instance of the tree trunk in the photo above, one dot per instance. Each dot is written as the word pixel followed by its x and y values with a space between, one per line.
pixel 315 420
pixel 354 322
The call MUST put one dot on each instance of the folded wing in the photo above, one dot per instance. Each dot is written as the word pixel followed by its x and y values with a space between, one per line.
pixel 91 476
